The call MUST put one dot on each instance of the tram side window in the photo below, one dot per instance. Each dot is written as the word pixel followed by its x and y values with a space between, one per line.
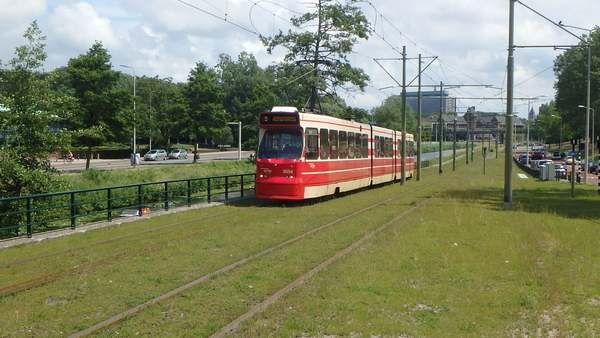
pixel 365 145
pixel 351 145
pixel 333 144
pixel 359 146
pixel 343 143
pixel 388 147
pixel 312 144
pixel 410 148
pixel 324 149
pixel 377 146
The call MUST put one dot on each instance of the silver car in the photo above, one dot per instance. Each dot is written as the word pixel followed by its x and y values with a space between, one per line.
pixel 178 154
pixel 156 154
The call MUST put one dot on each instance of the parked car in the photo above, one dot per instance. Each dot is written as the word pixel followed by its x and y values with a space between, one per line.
pixel 592 167
pixel 570 160
pixel 523 159
pixel 156 154
pixel 178 153
pixel 556 156
pixel 538 155
pixel 560 172
pixel 544 162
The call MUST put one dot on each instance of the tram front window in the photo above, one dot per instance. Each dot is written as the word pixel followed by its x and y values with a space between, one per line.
pixel 283 144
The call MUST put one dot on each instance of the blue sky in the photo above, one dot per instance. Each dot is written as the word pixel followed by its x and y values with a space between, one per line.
pixel 166 38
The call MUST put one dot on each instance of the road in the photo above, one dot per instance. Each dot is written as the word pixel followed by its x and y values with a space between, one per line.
pixel 592 178
pixel 79 165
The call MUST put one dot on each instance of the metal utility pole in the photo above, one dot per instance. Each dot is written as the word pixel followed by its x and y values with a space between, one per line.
pixel 419 107
pixel 404 143
pixel 419 126
pixel 239 124
pixel 134 159
pixel 404 86
pixel 454 147
pixel 508 151
pixel 441 128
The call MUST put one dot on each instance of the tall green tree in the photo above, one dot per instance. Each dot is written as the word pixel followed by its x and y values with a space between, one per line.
pixel 359 114
pixel 248 90
pixel 104 109
pixel 159 110
pixel 389 115
pixel 320 45
pixel 28 107
pixel 204 115
pixel 571 70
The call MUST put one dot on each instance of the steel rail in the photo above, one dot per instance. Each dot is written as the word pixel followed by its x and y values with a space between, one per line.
pixel 56 275
pixel 206 277
pixel 272 299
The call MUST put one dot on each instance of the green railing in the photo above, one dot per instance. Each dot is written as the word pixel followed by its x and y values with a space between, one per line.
pixel 38 213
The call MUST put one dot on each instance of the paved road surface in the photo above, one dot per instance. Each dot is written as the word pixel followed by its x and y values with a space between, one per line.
pixel 592 178
pixel 79 165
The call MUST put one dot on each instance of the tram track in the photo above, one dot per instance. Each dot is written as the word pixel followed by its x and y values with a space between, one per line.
pixel 452 181
pixel 103 261
pixel 230 327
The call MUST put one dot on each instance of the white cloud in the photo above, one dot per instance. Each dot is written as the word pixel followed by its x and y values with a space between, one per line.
pixel 77 27
pixel 21 10
pixel 15 17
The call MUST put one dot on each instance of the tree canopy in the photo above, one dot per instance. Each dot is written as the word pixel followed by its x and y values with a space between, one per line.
pixel 28 109
pixel 101 115
pixel 571 70
pixel 389 115
pixel 320 46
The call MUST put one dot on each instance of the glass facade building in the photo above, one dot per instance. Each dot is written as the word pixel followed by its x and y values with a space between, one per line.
pixel 430 102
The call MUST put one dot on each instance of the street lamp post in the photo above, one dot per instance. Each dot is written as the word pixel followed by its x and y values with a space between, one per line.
pixel 153 91
pixel 527 143
pixel 592 140
pixel 239 124
pixel 133 155
pixel 560 139
pixel 454 148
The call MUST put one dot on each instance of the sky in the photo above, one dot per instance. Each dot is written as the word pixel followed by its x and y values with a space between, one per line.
pixel 463 43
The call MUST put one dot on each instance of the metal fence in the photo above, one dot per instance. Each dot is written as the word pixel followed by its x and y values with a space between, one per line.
pixel 38 213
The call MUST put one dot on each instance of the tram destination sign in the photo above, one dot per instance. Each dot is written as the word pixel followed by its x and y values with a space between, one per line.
pixel 279 118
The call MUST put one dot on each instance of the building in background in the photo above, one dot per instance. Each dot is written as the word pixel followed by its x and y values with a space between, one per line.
pixel 430 102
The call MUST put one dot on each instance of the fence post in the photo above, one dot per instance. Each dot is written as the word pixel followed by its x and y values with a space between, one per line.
pixel 139 200
pixel 189 191
pixel 242 185
pixel 208 196
pixel 29 220
pixel 109 198
pixel 73 211
pixel 166 196
pixel 226 189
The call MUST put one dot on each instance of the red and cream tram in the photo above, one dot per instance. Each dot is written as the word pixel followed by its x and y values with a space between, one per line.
pixel 304 155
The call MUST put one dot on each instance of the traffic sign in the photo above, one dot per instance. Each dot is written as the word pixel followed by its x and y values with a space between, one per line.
pixel 574 153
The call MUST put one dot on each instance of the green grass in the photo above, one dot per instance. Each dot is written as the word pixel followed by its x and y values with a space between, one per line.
pixel 459 266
